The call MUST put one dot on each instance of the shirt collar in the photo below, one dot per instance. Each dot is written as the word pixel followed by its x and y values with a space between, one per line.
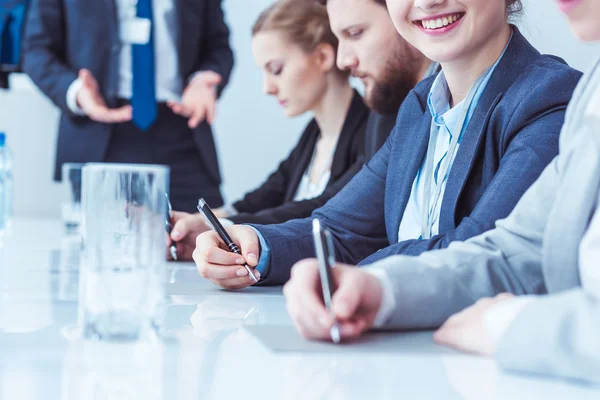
pixel 438 100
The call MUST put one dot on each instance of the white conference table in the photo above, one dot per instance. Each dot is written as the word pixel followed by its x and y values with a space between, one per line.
pixel 211 353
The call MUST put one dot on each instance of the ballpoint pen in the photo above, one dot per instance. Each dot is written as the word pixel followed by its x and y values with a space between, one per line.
pixel 169 227
pixel 214 223
pixel 326 256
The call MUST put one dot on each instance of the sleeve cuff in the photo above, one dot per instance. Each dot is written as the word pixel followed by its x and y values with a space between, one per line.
pixel 498 318
pixel 264 259
pixel 197 74
pixel 388 301
pixel 72 92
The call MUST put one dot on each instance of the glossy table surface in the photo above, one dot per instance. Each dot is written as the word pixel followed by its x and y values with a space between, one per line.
pixel 208 353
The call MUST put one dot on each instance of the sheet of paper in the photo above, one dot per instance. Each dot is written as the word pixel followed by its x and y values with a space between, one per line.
pixel 285 339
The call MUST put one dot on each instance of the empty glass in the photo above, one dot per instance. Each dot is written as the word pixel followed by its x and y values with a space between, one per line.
pixel 71 206
pixel 121 279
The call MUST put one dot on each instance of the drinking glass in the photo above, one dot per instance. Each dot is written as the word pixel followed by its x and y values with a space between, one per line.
pixel 123 264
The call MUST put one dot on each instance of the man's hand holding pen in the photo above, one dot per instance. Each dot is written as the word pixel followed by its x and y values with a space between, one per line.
pixel 218 264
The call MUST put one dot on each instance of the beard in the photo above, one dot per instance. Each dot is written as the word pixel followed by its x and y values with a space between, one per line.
pixel 399 76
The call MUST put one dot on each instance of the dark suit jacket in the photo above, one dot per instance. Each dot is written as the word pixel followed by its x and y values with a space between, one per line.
pixel 63 36
pixel 511 137
pixel 273 202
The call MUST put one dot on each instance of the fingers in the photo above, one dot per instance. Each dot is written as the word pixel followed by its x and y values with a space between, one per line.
pixel 119 115
pixel 346 299
pixel 197 116
pixel 248 241
pixel 353 328
pixel 304 302
pixel 219 265
pixel 180 109
pixel 181 227
pixel 88 79
pixel 101 113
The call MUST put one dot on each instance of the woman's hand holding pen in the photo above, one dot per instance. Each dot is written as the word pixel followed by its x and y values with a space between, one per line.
pixel 218 264
pixel 356 301
pixel 186 228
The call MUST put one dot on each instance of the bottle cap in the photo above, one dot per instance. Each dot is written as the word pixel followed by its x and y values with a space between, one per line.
pixel 2 138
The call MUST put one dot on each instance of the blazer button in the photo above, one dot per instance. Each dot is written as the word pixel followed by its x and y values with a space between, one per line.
pixel 116 48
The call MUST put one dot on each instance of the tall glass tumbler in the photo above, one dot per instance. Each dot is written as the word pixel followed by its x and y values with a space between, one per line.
pixel 123 265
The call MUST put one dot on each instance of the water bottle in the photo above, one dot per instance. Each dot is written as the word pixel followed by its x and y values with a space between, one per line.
pixel 6 185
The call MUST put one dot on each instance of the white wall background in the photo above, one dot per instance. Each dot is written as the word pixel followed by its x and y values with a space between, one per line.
pixel 251 132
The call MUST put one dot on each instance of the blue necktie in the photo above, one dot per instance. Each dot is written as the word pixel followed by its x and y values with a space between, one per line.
pixel 143 98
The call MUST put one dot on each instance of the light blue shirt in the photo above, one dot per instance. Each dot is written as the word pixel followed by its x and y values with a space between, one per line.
pixel 445 119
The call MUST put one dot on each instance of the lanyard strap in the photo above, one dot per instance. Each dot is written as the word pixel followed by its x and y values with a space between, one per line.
pixel 428 208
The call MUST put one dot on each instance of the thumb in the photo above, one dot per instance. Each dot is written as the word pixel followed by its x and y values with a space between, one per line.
pixel 88 79
pixel 181 227
pixel 346 299
pixel 85 75
pixel 249 244
pixel 212 78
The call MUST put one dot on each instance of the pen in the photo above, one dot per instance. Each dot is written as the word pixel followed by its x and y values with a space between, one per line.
pixel 169 227
pixel 326 256
pixel 214 223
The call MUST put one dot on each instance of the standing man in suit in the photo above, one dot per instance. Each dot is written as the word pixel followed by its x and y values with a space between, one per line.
pixel 137 82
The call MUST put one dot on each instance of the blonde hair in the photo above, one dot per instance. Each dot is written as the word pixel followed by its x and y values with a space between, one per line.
pixel 304 22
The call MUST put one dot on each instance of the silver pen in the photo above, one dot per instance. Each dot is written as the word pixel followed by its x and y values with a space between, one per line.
pixel 326 256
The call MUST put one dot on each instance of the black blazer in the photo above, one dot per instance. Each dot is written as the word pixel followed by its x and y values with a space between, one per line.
pixel 64 36
pixel 273 202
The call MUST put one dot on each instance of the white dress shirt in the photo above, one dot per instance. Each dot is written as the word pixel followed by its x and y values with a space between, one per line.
pixel 169 84
pixel 309 190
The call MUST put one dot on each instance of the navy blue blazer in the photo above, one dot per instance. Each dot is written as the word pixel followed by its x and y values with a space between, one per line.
pixel 510 139
pixel 64 36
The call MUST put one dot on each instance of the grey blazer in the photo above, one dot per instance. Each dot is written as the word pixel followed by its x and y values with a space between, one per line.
pixel 533 251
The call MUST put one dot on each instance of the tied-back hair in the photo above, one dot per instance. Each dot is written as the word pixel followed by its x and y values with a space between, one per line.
pixel 304 22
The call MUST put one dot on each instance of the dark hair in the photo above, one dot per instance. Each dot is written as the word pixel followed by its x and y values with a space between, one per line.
pixel 514 9
pixel 305 23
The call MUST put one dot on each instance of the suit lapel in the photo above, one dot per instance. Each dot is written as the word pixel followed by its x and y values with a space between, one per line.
pixel 405 160
pixel 466 157
pixel 517 56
